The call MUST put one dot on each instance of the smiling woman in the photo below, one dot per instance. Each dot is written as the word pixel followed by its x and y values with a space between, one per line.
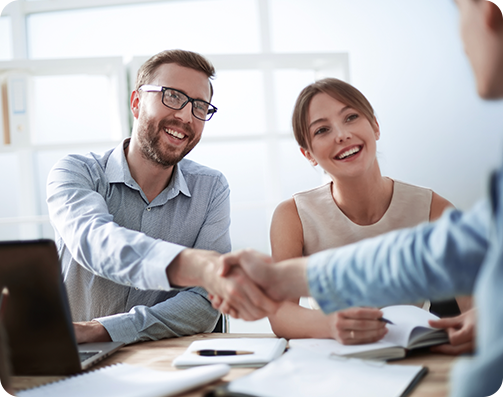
pixel 335 127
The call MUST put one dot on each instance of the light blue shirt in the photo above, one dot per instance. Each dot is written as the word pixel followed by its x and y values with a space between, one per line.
pixel 115 245
pixel 459 254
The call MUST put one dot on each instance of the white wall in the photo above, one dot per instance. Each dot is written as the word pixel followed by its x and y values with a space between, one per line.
pixel 407 58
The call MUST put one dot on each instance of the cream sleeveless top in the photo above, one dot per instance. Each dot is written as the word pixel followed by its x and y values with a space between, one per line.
pixel 326 226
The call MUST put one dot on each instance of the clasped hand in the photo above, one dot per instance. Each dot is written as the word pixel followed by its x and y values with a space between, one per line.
pixel 244 287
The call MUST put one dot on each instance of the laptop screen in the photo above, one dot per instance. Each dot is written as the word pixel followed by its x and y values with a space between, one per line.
pixel 37 318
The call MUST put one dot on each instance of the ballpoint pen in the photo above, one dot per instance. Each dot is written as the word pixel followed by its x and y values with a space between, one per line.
pixel 385 320
pixel 208 352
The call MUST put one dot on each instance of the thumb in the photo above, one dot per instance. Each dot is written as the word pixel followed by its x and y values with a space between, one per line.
pixel 227 261
pixel 444 322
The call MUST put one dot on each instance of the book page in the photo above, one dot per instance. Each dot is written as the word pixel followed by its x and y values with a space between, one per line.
pixel 405 318
pixel 331 346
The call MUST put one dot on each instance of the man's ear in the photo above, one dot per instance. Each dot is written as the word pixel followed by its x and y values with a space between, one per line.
pixel 307 155
pixel 135 104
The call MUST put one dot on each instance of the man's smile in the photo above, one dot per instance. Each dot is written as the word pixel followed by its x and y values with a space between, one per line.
pixel 174 133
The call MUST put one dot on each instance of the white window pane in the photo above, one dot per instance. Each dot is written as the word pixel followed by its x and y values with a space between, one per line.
pixel 296 173
pixel 243 164
pixel 9 180
pixel 5 39
pixel 72 108
pixel 217 26
pixel 250 229
pixel 288 85
pixel 239 97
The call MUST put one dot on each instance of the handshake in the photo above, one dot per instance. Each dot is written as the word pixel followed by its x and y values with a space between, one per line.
pixel 247 284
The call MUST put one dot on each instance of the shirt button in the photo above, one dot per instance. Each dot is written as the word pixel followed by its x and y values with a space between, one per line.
pixel 148 208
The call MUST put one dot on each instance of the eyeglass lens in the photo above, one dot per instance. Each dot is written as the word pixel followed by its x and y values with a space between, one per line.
pixel 177 100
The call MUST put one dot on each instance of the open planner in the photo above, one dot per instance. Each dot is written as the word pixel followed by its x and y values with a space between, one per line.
pixel 410 330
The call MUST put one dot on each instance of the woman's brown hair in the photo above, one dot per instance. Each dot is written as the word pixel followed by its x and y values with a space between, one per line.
pixel 337 89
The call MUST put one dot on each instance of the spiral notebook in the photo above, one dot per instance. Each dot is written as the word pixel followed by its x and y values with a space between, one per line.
pixel 123 380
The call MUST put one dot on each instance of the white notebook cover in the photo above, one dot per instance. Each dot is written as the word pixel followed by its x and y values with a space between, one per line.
pixel 123 380
pixel 265 350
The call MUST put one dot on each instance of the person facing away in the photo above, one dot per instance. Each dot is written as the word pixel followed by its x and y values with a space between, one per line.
pixel 122 216
pixel 460 253
pixel 336 128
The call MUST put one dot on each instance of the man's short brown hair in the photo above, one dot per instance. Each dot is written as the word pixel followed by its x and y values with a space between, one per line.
pixel 183 58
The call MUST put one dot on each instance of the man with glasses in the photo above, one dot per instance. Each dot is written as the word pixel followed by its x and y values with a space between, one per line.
pixel 124 218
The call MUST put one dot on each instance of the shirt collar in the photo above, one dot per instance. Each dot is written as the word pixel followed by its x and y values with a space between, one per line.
pixel 117 171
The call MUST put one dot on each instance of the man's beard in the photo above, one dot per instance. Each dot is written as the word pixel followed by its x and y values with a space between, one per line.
pixel 149 138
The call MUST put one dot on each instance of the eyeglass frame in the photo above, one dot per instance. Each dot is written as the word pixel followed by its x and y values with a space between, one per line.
pixel 159 88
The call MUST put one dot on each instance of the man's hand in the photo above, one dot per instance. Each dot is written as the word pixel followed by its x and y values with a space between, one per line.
pixel 461 331
pixel 357 325
pixel 91 331
pixel 280 281
pixel 243 299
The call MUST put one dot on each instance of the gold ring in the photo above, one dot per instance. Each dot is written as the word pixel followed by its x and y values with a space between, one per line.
pixel 352 334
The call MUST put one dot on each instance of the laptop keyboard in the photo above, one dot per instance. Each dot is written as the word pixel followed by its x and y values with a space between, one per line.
pixel 85 355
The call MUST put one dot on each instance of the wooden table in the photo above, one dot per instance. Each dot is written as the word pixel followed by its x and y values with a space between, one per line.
pixel 160 354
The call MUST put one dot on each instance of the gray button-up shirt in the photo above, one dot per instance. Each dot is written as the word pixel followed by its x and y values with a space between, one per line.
pixel 115 246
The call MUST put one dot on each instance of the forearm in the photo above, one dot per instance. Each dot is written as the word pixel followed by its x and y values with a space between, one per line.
pixel 193 267
pixel 465 303
pixel 187 313
pixel 433 261
pixel 292 321
pixel 287 280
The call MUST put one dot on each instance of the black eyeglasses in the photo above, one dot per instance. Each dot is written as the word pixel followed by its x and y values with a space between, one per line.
pixel 176 99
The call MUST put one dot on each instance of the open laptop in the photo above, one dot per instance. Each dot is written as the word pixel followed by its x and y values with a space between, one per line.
pixel 36 315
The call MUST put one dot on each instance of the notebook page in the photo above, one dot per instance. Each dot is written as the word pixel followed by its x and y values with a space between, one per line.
pixel 123 380
pixel 299 373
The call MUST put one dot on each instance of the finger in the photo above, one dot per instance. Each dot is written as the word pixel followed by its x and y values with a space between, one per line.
pixel 445 322
pixel 227 261
pixel 453 350
pixel 256 302
pixel 458 337
pixel 370 313
pixel 359 337
pixel 363 325
pixel 216 302
pixel 226 308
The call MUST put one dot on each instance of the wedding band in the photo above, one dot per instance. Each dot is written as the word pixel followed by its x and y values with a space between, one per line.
pixel 352 334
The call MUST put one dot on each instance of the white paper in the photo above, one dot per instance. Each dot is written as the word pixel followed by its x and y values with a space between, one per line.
pixel 123 380
pixel 265 350
pixel 300 373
